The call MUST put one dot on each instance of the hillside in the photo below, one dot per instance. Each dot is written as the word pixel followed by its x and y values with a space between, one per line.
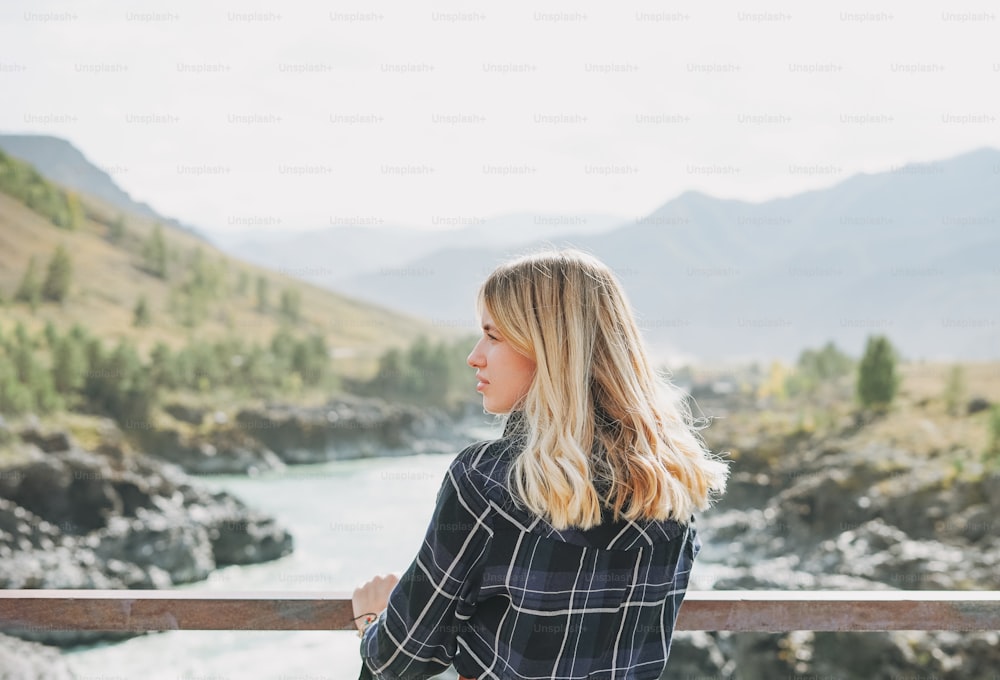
pixel 204 294
pixel 63 163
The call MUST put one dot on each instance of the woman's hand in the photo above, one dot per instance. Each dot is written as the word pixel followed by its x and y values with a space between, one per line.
pixel 373 596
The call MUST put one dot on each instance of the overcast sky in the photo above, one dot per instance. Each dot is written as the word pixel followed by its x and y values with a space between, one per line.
pixel 300 114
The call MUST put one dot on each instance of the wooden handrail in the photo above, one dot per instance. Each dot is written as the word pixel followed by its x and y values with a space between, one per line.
pixel 730 610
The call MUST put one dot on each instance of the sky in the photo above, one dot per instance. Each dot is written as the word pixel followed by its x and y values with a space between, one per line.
pixel 239 117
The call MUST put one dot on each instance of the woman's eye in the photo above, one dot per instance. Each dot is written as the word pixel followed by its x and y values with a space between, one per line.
pixel 492 337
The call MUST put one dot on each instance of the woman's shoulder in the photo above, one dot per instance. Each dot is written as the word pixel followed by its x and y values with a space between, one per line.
pixel 482 466
pixel 487 457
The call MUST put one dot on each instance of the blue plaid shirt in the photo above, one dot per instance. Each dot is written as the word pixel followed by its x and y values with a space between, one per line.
pixel 500 594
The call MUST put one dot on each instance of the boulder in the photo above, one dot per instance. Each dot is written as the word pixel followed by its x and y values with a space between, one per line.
pixel 75 519
pixel 977 404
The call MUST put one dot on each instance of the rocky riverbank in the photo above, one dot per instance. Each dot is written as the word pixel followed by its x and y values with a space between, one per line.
pixel 901 501
pixel 114 518
pixel 250 440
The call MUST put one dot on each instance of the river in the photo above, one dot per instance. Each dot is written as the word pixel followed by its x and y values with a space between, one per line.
pixel 351 520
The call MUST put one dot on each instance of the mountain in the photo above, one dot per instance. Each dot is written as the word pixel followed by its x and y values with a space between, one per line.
pixel 202 293
pixel 63 163
pixel 331 257
pixel 913 253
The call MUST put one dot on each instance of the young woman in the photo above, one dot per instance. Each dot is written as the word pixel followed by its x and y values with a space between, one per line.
pixel 563 548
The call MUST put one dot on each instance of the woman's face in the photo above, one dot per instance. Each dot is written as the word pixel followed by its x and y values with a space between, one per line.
pixel 503 374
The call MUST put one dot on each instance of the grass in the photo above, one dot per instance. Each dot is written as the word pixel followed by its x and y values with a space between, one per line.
pixel 917 422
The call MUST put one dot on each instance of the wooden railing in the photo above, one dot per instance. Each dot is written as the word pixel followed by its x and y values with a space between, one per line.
pixel 730 610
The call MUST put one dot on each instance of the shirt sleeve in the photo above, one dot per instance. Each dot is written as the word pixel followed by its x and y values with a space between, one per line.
pixel 415 636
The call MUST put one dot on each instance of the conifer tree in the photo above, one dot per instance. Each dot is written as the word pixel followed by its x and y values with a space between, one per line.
pixel 954 390
pixel 291 304
pixel 262 303
pixel 74 210
pixel 69 364
pixel 154 253
pixel 140 313
pixel 30 289
pixel 877 379
pixel 58 276
pixel 116 231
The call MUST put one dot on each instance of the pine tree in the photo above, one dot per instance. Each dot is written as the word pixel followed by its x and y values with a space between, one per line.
pixel 116 231
pixel 154 253
pixel 15 397
pixel 74 210
pixel 69 364
pixel 140 313
pixel 877 379
pixel 51 334
pixel 262 303
pixel 58 276
pixel 161 366
pixel 30 290
pixel 954 390
pixel 291 304
pixel 992 453
pixel 242 283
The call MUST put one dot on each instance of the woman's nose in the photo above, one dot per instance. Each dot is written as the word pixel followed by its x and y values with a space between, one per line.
pixel 475 358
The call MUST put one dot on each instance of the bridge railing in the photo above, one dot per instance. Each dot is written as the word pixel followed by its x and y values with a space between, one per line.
pixel 717 610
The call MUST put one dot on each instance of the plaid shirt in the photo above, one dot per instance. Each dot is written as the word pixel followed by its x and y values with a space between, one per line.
pixel 502 595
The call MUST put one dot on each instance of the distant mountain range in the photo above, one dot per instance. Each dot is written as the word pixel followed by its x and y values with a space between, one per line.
pixel 333 256
pixel 912 253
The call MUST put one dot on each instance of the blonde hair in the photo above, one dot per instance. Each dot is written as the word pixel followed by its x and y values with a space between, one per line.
pixel 595 411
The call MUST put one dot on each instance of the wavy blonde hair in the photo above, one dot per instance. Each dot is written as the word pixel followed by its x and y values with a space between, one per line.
pixel 596 411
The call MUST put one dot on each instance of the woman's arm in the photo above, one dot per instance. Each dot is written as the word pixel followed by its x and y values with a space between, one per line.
pixel 415 636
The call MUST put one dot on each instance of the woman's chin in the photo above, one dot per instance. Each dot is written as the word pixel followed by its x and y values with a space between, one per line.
pixel 494 409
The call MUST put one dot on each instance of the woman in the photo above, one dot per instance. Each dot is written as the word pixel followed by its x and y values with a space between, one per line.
pixel 563 548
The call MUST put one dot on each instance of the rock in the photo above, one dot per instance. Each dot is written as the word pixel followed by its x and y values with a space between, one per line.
pixel 694 654
pixel 758 655
pixel 977 404
pixel 346 428
pixel 248 542
pixel 241 536
pixel 70 489
pixel 55 441
pixel 878 652
pixel 223 451
pixel 186 414
pixel 74 519
pixel 182 550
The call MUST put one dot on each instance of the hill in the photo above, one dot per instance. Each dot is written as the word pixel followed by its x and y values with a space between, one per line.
pixel 63 163
pixel 201 294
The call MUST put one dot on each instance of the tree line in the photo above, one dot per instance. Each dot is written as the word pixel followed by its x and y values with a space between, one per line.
pixel 428 373
pixel 53 371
